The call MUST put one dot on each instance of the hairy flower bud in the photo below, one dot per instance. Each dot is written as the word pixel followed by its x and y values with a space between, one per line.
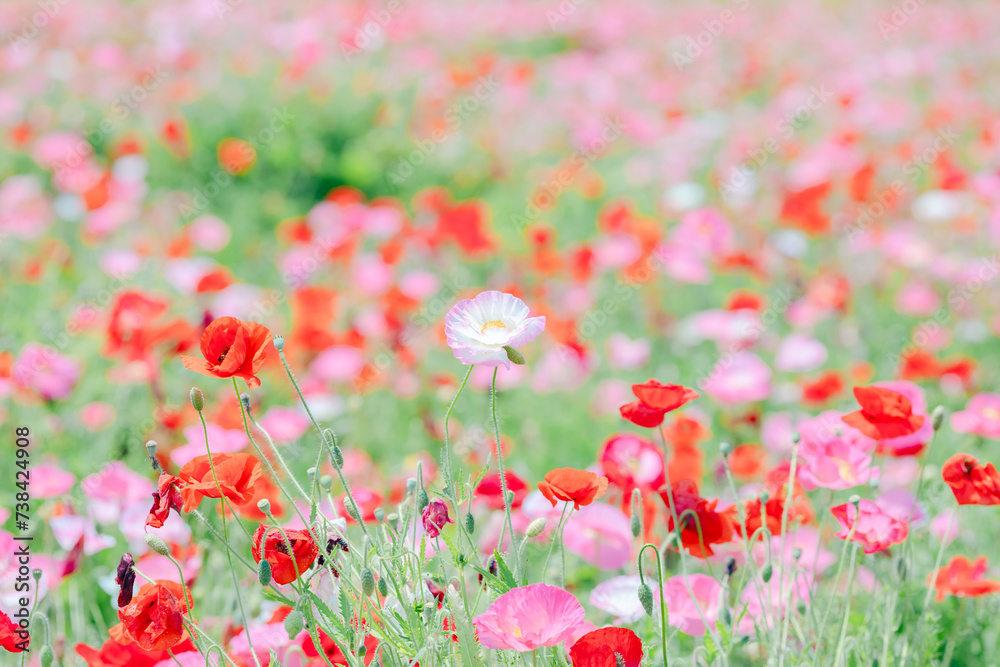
pixel 383 587
pixel 726 448
pixel 264 572
pixel 423 500
pixel 536 527
pixel 197 399
pixel 45 656
pixel 646 598
pixel 635 525
pixel 514 356
pixel 937 417
pixel 767 572
pixel 294 623
pixel 338 457
pixel 264 505
pixel 279 343
pixel 470 523
pixel 367 581
pixel 156 544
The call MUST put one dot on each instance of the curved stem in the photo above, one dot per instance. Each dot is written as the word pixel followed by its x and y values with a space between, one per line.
pixel 663 602
pixel 556 536
pixel 503 479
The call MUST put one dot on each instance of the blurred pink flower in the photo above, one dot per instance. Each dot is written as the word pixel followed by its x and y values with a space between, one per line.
pixel 70 529
pixel 739 378
pixel 600 534
pixel 222 441
pixel 43 370
pixel 339 363
pixel 284 424
pixel 24 211
pixel 682 609
pixel 981 416
pixel 901 504
pixel 940 525
pixel 781 552
pixel 209 233
pixel 876 530
pixel 627 354
pixel 479 328
pixel 617 596
pixel 97 416
pixel 49 480
pixel 917 299
pixel 834 464
pixel 799 353
pixel 529 617
pixel 114 488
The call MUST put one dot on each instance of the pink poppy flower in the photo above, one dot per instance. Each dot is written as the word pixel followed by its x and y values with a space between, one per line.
pixel 209 233
pixel 625 353
pixel 46 372
pixel 114 488
pixel 799 353
pixel 981 416
pixel 600 534
pixel 739 378
pixel 529 617
pixel 339 363
pixel 834 464
pixel 940 526
pixel 478 329
pixel 682 609
pixel 284 424
pixel 761 603
pixel 97 416
pixel 222 440
pixel 617 596
pixel 49 480
pixel 876 530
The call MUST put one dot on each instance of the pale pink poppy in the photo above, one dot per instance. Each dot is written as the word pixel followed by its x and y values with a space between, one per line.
pixel 121 263
pixel 761 604
pixel 478 329
pixel 193 659
pixel 981 416
pixel 834 464
pixel 876 530
pixel 24 211
pixel 132 524
pixel 705 232
pixel 114 488
pixel 526 618
pixel 613 251
pixel 901 504
pixel 222 441
pixel 896 472
pixel 264 638
pixel 209 233
pixel 776 432
pixel 600 534
pixel 739 378
pixel 70 529
pixel 371 275
pixel 683 266
pixel 683 610
pixel 625 353
pixel 49 480
pixel 917 299
pixel 284 424
pixel 44 371
pixel 562 368
pixel 156 567
pixel 617 596
pixel 799 353
pixel 608 395
pixel 97 416
pixel 419 284
pixel 339 363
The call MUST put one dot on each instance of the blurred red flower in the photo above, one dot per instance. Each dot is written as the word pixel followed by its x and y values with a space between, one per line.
pixel 113 654
pixel 283 563
pixel 232 348
pixel 655 401
pixel 716 527
pixel 822 389
pixel 963 579
pixel 491 493
pixel 579 487
pixel 333 652
pixel 238 475
pixel 598 648
pixel 884 414
pixel 972 483
pixel 9 637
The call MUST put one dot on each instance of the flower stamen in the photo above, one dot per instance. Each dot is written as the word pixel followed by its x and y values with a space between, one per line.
pixel 493 324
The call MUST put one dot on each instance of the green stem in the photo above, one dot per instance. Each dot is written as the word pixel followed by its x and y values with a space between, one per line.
pixel 446 470
pixel 847 607
pixel 782 632
pixel 555 536
pixel 663 602
pixel 503 479
pixel 934 574
pixel 836 583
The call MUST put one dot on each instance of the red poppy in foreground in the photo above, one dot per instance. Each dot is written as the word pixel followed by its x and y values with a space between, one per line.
pixel 153 619
pixel 600 648
pixel 333 652
pixel 283 564
pixel 770 514
pixel 972 483
pixel 655 401
pixel 963 579
pixel 165 498
pixel 884 414
pixel 232 348
pixel 491 492
pixel 10 639
pixel 113 654
pixel 579 487
pixel 716 527
pixel 875 531
pixel 237 474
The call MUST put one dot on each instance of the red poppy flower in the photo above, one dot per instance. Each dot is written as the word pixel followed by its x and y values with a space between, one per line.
pixel 684 430
pixel 491 493
pixel 232 348
pixel 972 484
pixel 747 461
pixel 333 652
pixel 113 654
pixel 770 514
pixel 238 475
pixel 579 487
pixel 165 498
pixel 10 638
pixel 131 331
pixel 283 564
pixel 368 501
pixel 153 619
pixel 884 414
pixel 655 401
pixel 963 579
pixel 214 281
pixel 822 389
pixel 600 647
pixel 716 527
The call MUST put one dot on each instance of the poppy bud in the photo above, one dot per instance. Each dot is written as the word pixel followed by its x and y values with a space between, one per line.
pixel 264 572
pixel 766 573
pixel 45 656
pixel 311 473
pixel 854 500
pixel 727 617
pixel 37 573
pixel 635 525
pixel 362 651
pixel 383 587
pixel 367 581
pixel 937 416
pixel 514 356
pixel 156 544
pixel 536 527
pixel 338 457
pixel 796 553
pixel 423 500
pixel 411 485
pixel 646 598
pixel 796 437
pixel 470 523
pixel 264 505
pixel 510 497
pixel 764 497
pixel 279 343
pixel 325 482
pixel 294 623
pixel 352 509
pixel 379 514
pixel 726 448
pixel 197 399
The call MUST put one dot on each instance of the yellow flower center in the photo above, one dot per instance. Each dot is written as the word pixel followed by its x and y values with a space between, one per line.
pixel 517 628
pixel 991 413
pixel 493 324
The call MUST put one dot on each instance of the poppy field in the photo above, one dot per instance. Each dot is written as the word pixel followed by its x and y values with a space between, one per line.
pixel 575 333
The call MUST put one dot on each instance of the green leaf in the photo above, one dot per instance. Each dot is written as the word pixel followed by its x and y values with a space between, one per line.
pixel 505 573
